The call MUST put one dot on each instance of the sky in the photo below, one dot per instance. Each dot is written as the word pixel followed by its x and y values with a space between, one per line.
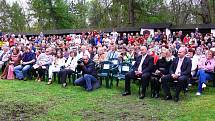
pixel 25 5
pixel 21 2
pixel 24 2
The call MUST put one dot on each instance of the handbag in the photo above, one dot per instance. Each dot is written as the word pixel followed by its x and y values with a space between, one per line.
pixel 10 74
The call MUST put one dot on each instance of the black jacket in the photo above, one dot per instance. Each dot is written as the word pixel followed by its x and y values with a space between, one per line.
pixel 89 68
pixel 185 67
pixel 147 65
pixel 163 63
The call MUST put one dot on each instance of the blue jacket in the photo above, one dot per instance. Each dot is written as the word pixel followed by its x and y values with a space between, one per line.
pixel 28 56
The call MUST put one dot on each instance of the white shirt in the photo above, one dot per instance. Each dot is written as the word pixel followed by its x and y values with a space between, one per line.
pixel 58 62
pixel 178 69
pixel 106 40
pixel 5 57
pixel 115 35
pixel 81 54
pixel 212 49
pixel 195 61
pixel 141 63
pixel 77 41
pixel 71 63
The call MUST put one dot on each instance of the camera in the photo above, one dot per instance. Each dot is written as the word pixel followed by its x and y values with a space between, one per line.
pixel 79 66
pixel 80 61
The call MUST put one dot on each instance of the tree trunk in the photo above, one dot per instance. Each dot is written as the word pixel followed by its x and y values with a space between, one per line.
pixel 131 12
pixel 205 12
pixel 53 18
pixel 213 10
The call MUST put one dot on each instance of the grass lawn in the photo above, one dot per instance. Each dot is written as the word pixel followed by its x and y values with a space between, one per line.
pixel 31 100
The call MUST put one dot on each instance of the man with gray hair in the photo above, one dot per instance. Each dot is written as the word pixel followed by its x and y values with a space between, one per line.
pixel 180 71
pixel 141 69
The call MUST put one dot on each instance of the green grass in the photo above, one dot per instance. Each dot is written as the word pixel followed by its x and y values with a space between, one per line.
pixel 31 100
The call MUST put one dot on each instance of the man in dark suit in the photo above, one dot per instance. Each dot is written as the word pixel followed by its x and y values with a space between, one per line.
pixel 141 69
pixel 180 71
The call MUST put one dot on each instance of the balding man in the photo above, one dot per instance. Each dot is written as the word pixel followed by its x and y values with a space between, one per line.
pixel 141 69
pixel 180 71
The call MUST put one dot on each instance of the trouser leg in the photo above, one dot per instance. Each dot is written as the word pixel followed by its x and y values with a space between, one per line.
pixel 128 78
pixel 165 86
pixel 145 82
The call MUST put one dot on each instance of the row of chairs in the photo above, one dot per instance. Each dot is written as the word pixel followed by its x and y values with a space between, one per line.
pixel 113 69
pixel 108 71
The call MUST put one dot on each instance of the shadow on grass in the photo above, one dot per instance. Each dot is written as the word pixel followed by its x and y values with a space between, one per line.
pixel 37 101
pixel 20 111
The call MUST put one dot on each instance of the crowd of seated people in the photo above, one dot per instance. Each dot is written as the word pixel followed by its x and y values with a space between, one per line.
pixel 158 59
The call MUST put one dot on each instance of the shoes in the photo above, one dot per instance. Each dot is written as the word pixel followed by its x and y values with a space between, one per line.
pixel 96 85
pixel 89 90
pixel 157 95
pixel 49 83
pixel 176 99
pixel 64 85
pixel 142 96
pixel 3 77
pixel 198 94
pixel 126 93
pixel 39 80
pixel 36 80
pixel 203 85
pixel 153 95
pixel 168 98
pixel 189 85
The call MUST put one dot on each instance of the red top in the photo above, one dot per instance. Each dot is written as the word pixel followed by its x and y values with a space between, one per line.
pixel 186 40
pixel 156 57
pixel 140 40
pixel 68 38
pixel 11 42
pixel 131 40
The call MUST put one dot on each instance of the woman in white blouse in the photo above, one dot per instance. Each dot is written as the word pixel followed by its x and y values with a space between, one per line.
pixel 70 67
pixel 56 65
